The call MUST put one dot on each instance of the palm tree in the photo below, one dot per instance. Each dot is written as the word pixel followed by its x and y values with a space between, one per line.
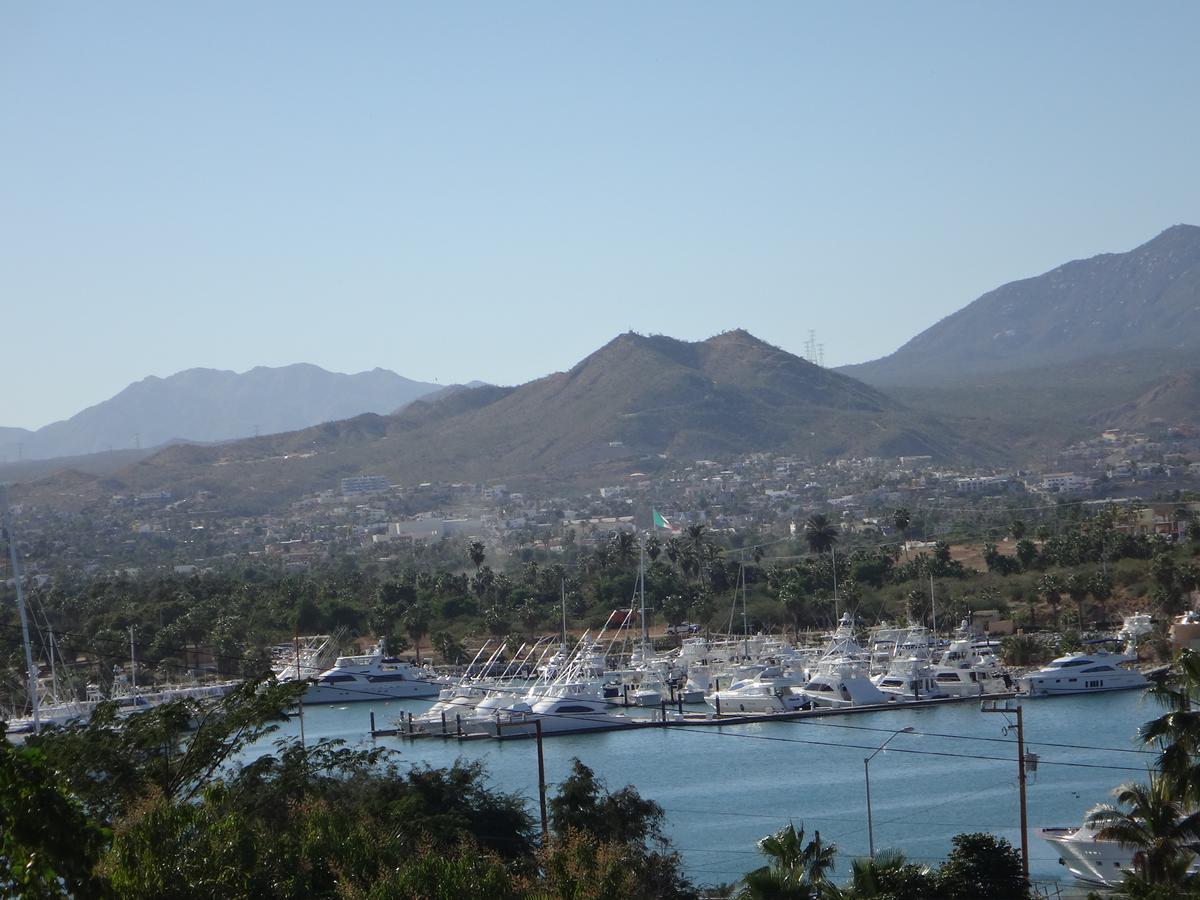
pixel 416 623
pixel 623 547
pixel 794 871
pixel 1176 733
pixel 820 533
pixel 1101 588
pixel 477 552
pixel 1076 587
pixel 885 875
pixel 1051 588
pixel 1158 827
pixel 448 647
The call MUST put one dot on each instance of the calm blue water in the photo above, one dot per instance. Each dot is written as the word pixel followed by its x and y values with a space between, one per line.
pixel 723 789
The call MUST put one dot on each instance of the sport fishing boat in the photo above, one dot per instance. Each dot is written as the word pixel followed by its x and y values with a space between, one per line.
pixel 561 708
pixel 774 689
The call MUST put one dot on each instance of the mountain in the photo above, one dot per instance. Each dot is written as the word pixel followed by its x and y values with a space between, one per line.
pixel 638 404
pixel 1172 401
pixel 12 442
pixel 206 405
pixel 1147 299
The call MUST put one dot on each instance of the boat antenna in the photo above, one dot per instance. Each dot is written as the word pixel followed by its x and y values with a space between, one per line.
pixel 6 520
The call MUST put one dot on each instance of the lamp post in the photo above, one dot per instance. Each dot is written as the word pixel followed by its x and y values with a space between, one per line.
pixel 867 771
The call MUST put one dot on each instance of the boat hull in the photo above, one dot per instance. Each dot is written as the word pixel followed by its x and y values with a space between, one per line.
pixel 365 691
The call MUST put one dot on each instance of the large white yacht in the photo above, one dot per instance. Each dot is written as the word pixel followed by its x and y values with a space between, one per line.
pixel 373 676
pixel 1088 858
pixel 1083 673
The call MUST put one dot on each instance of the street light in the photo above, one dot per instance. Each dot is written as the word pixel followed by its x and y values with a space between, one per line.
pixel 867 770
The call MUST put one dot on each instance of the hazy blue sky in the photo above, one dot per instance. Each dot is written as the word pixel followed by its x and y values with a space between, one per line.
pixel 494 190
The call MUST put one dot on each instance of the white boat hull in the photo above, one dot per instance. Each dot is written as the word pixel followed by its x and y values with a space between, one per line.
pixel 361 691
pixel 1102 863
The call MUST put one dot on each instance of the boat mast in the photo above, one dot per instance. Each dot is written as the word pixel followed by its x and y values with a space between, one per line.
pixel 745 621
pixel 564 613
pixel 833 566
pixel 6 517
pixel 933 604
pixel 642 592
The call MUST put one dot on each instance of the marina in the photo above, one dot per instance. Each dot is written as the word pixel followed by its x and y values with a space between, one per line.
pixel 725 786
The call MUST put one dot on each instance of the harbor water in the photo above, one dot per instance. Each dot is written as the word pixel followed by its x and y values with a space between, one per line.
pixel 725 787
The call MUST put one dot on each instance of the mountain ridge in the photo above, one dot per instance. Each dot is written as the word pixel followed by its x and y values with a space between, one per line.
pixel 210 405
pixel 638 403
pixel 1145 298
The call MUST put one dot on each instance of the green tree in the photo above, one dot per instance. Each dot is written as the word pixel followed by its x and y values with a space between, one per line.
pixel 820 533
pixel 1176 733
pixel 1050 587
pixel 416 625
pixel 477 553
pixel 49 847
pixel 1077 586
pixel 982 867
pixel 794 871
pixel 888 876
pixel 1027 553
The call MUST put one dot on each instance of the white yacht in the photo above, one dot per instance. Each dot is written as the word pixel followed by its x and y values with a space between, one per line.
pixel 560 708
pixel 967 669
pixel 836 691
pixel 1088 858
pixel 774 689
pixel 373 676
pixel 1083 673
pixel 1098 862
pixel 909 674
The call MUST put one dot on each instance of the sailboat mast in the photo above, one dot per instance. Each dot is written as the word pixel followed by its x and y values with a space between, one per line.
pixel 642 590
pixel 933 604
pixel 17 579
pixel 564 612
pixel 833 566
pixel 745 621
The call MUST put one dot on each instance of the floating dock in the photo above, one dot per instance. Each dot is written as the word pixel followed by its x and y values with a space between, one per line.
pixel 669 717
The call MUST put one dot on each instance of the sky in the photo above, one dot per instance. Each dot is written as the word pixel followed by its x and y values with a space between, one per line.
pixel 491 191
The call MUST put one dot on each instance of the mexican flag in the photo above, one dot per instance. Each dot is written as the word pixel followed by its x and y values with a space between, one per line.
pixel 660 521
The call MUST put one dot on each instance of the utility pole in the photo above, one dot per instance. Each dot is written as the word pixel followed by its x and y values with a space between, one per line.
pixel 1020 776
pixel 537 725
pixel 537 734
pixel 299 677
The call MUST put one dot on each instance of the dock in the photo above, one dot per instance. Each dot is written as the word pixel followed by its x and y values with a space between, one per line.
pixel 667 716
